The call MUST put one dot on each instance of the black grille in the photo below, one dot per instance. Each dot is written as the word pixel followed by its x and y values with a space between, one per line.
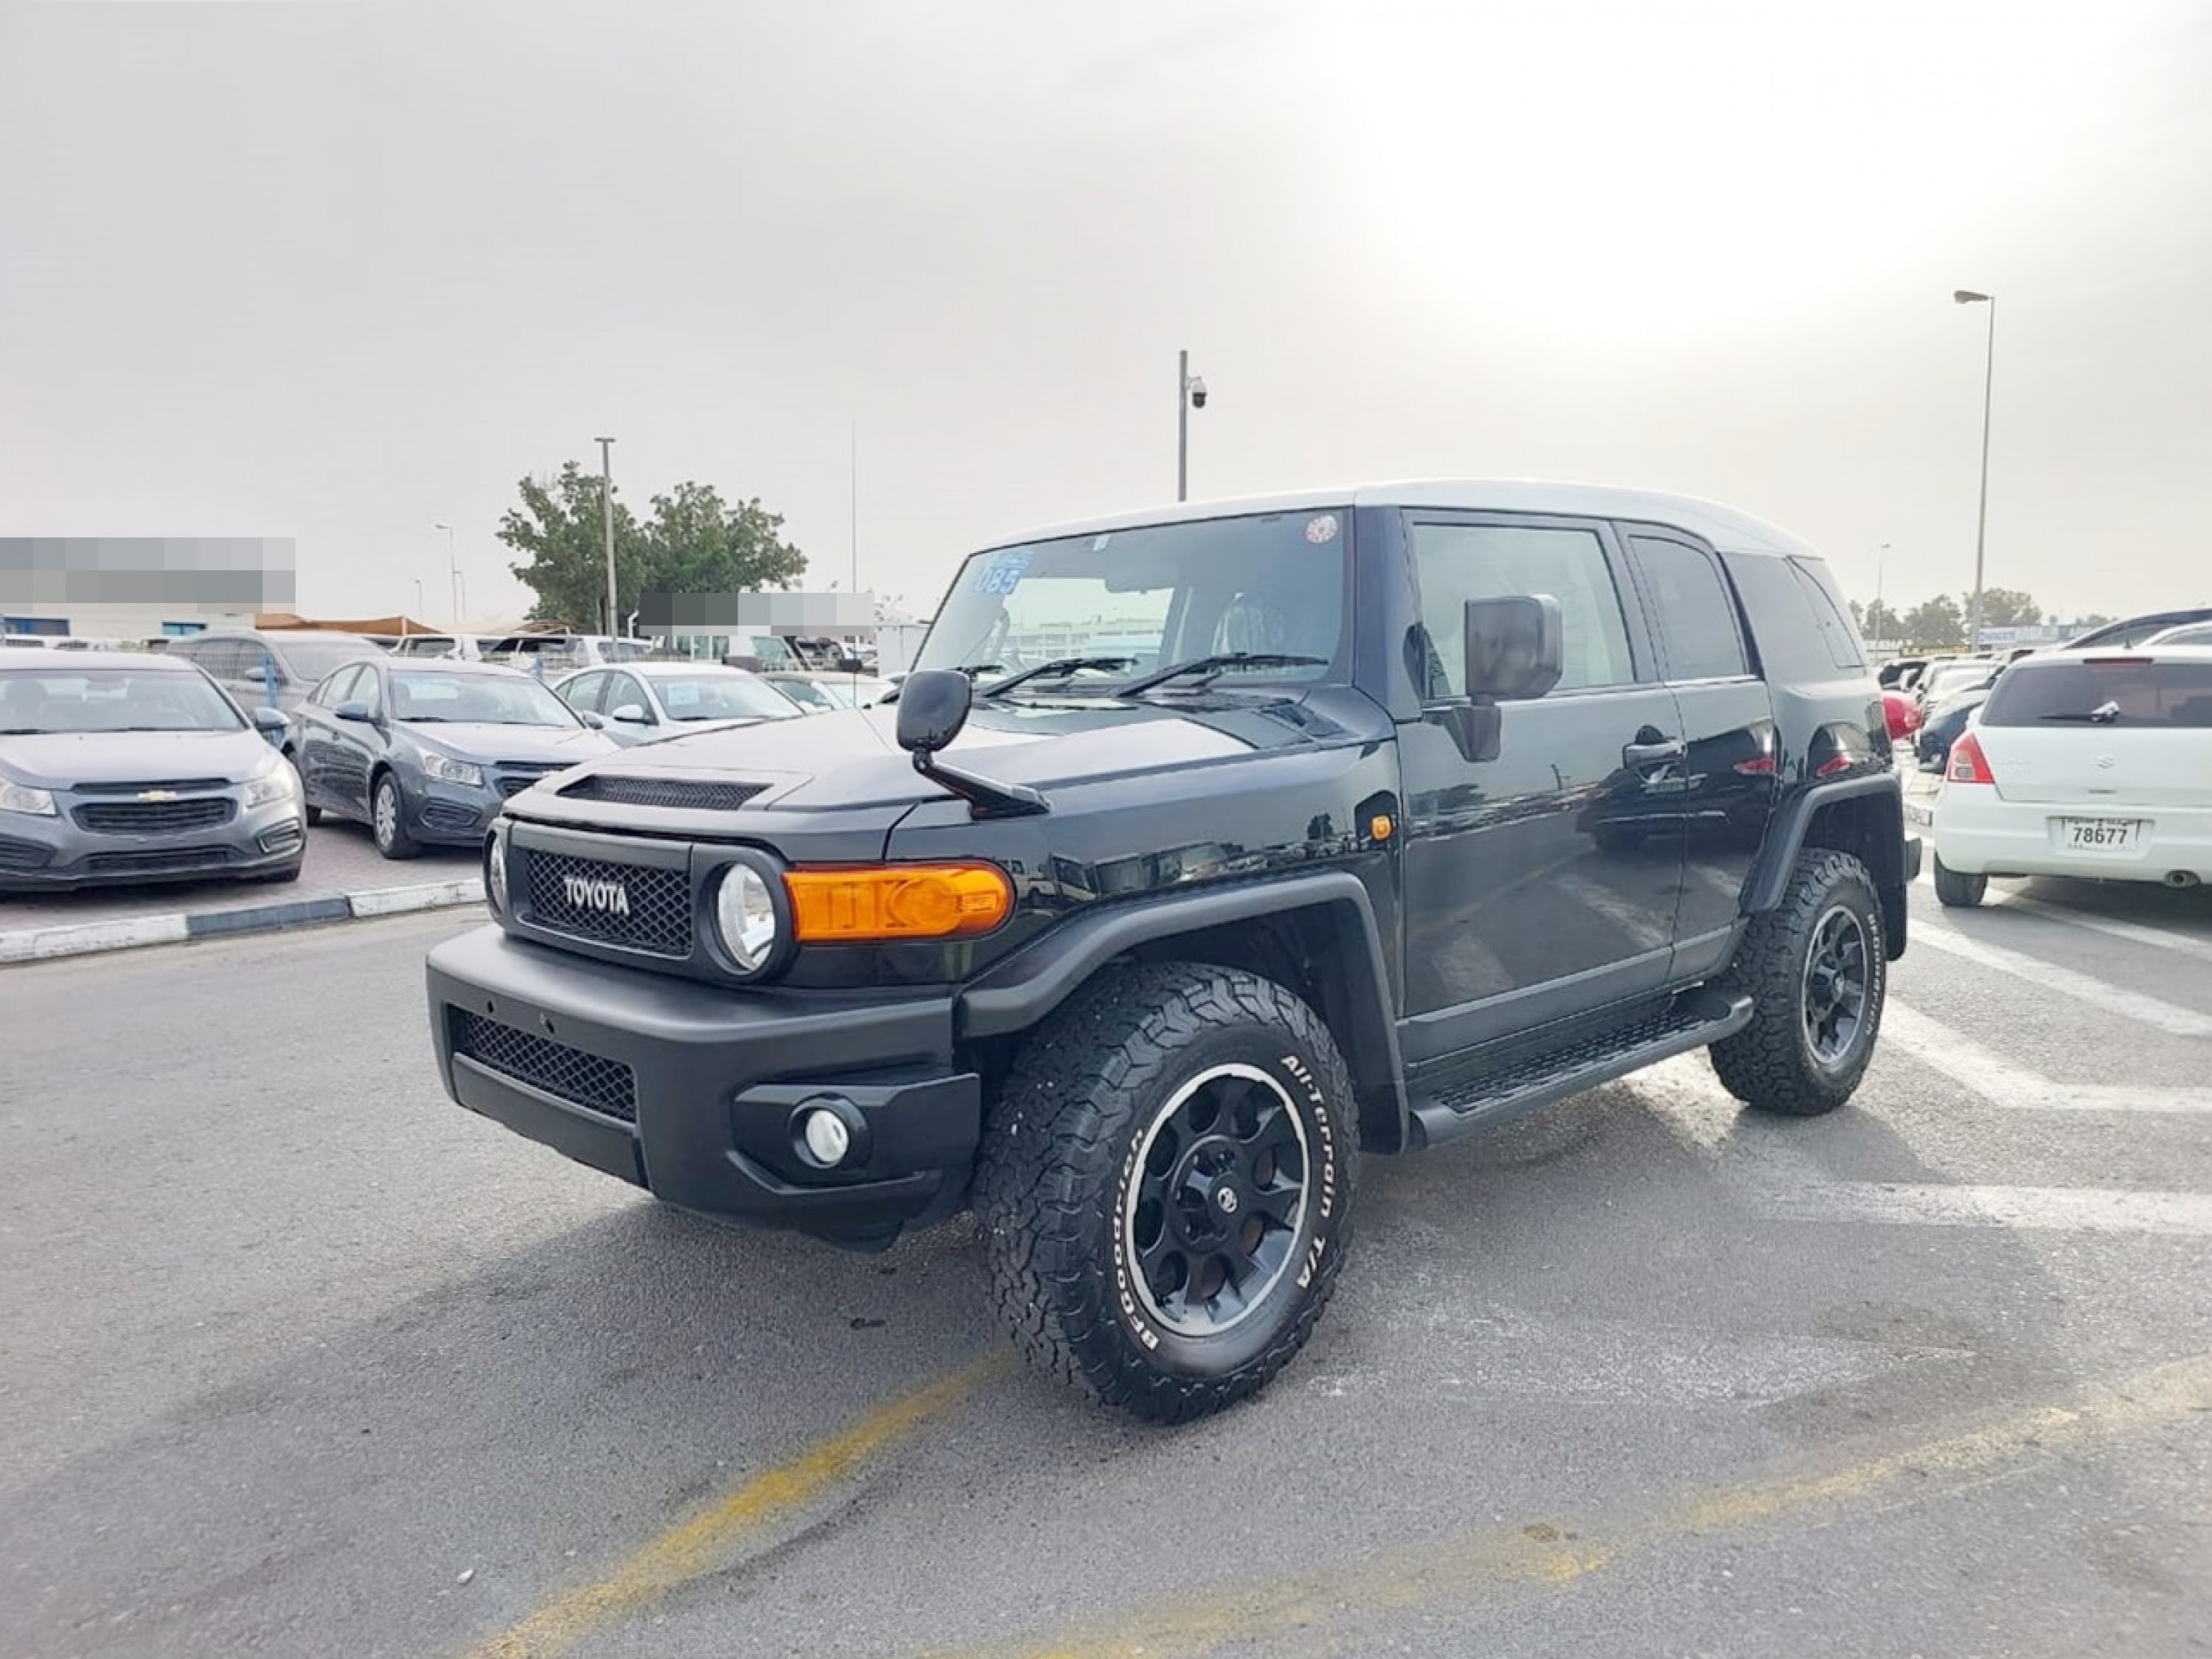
pixel 448 817
pixel 154 817
pixel 22 854
pixel 664 792
pixel 179 786
pixel 605 1086
pixel 148 864
pixel 654 912
pixel 514 780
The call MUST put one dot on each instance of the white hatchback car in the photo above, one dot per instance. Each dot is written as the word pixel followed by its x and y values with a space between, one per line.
pixel 2097 765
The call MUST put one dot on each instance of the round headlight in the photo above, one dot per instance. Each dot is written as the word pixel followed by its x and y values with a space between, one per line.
pixel 744 915
pixel 496 866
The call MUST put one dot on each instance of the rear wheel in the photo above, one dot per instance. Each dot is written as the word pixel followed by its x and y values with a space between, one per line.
pixel 1816 969
pixel 1961 892
pixel 1164 1187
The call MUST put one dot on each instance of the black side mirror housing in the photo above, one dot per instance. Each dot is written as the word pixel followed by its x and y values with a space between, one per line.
pixel 932 708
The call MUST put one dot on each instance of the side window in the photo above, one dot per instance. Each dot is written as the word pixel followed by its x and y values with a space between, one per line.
pixel 339 687
pixel 1456 563
pixel 584 691
pixel 369 689
pixel 1828 615
pixel 219 658
pixel 1694 609
pixel 623 691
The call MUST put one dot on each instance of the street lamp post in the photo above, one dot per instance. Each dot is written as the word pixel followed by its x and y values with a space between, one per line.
pixel 1881 615
pixel 1966 296
pixel 607 509
pixel 1190 393
pixel 453 567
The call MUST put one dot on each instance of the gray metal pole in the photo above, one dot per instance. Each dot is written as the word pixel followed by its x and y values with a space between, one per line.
pixel 1982 522
pixel 607 510
pixel 1182 425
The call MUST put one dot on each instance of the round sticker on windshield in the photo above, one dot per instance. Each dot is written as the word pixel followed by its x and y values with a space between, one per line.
pixel 1321 528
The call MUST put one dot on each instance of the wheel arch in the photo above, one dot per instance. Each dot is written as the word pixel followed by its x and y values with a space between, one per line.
pixel 1862 815
pixel 1315 935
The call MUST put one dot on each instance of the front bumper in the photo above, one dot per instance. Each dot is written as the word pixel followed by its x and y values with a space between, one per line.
pixel 691 1091
pixel 51 855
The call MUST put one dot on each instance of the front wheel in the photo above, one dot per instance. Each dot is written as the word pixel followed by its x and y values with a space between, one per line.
pixel 387 819
pixel 1816 969
pixel 1166 1184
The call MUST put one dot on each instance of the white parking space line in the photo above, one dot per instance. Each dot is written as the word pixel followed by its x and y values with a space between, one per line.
pixel 2134 931
pixel 1641 928
pixel 1999 1083
pixel 2078 988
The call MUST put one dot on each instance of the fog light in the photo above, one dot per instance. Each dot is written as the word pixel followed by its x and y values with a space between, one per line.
pixel 827 1137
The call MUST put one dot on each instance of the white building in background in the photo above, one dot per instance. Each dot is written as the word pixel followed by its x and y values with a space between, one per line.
pixel 139 588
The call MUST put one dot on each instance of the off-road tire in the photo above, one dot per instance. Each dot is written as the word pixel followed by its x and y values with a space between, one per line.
pixel 1957 891
pixel 1771 1065
pixel 1059 1160
pixel 394 842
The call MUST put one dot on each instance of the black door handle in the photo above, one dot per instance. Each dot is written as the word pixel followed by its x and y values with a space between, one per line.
pixel 1652 754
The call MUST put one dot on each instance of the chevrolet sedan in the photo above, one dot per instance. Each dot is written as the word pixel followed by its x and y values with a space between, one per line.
pixel 427 753
pixel 126 766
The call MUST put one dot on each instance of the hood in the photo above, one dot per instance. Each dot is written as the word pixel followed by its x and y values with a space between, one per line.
pixel 569 746
pixel 62 760
pixel 852 759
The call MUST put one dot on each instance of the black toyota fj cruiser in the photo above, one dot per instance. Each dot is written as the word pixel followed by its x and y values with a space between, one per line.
pixel 1203 851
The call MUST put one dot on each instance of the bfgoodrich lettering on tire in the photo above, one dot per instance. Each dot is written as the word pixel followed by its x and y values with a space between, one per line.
pixel 1165 1186
pixel 1817 971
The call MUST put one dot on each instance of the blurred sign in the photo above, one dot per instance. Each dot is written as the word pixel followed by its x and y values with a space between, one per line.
pixel 774 613
pixel 2045 635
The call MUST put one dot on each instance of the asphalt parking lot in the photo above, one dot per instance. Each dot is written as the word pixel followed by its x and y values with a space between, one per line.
pixel 304 1360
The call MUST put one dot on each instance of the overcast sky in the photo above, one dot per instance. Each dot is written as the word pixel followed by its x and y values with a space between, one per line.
pixel 335 271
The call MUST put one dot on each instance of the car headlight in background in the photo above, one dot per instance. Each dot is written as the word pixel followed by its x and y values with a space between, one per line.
pixel 445 769
pixel 745 917
pixel 21 798
pixel 495 866
pixel 273 779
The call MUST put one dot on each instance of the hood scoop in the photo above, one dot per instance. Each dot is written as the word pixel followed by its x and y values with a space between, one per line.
pixel 688 794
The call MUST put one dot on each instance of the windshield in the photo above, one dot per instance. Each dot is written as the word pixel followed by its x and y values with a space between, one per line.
pixel 491 699
pixel 2109 691
pixel 315 660
pixel 1152 596
pixel 720 698
pixel 113 700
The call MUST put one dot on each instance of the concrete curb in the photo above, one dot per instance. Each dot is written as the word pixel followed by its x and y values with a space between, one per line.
pixel 130 932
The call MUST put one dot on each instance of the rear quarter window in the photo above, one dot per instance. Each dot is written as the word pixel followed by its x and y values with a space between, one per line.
pixel 1798 627
pixel 2117 691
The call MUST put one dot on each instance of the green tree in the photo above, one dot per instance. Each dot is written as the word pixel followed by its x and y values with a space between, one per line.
pixel 2005 607
pixel 561 532
pixel 1881 621
pixel 691 542
pixel 1937 621
pixel 695 542
pixel 2094 619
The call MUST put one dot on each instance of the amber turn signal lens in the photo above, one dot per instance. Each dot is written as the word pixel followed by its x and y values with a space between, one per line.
pixel 860 903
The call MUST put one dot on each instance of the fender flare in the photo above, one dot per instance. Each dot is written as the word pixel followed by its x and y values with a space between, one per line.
pixel 1785 837
pixel 1017 994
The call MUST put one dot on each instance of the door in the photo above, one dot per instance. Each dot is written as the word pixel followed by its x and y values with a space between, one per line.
pixel 1538 884
pixel 316 734
pixel 356 745
pixel 584 691
pixel 1725 784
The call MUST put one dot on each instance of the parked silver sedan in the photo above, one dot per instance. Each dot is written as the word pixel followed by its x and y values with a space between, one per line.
pixel 127 766
pixel 643 701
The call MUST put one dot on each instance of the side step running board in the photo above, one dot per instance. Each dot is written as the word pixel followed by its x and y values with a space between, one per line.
pixel 1696 1020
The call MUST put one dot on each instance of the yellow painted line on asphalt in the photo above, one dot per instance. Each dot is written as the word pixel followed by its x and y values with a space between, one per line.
pixel 710 1540
pixel 1554 1555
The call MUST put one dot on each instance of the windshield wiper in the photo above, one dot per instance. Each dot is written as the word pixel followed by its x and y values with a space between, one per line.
pixel 1058 668
pixel 1213 668
pixel 2103 714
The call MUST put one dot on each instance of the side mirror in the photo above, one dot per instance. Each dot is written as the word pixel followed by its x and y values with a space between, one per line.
pixel 269 721
pixel 592 718
pixel 1516 647
pixel 631 713
pixel 355 711
pixel 933 706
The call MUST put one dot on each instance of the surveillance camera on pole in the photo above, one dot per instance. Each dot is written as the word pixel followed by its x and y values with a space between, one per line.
pixel 1190 393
